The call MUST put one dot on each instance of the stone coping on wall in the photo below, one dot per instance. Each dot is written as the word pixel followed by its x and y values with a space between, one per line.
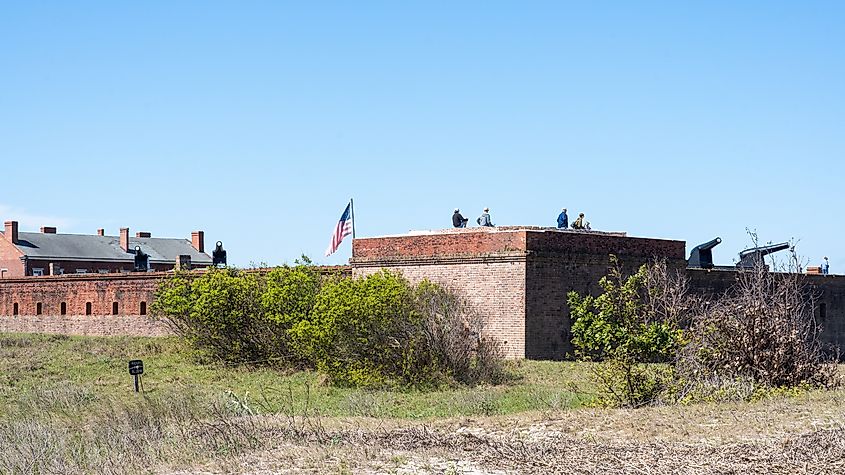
pixel 512 256
pixel 484 242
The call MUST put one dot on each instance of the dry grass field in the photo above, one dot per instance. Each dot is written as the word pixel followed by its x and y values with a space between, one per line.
pixel 67 406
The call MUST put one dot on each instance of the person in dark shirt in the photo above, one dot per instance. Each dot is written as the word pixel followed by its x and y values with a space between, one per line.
pixel 458 220
pixel 562 220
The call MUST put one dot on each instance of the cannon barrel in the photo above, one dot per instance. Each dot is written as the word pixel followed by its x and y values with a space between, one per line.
pixel 702 255
pixel 748 257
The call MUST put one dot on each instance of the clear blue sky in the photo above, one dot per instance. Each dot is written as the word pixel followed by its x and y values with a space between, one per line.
pixel 256 121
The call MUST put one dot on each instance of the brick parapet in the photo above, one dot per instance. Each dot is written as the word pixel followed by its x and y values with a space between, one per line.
pixel 479 241
pixel 400 261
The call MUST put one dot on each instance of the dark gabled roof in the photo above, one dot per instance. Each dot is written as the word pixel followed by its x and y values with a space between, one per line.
pixel 105 248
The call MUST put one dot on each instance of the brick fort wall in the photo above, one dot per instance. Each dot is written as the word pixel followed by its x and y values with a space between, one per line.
pixel 518 277
pixel 80 304
pixel 85 304
pixel 828 290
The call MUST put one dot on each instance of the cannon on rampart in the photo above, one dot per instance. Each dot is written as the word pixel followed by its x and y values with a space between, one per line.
pixel 702 255
pixel 749 257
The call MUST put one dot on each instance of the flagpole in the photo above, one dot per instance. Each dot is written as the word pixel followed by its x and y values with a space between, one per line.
pixel 352 208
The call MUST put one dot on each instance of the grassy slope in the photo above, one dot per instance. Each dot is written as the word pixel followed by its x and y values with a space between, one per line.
pixel 67 406
pixel 90 369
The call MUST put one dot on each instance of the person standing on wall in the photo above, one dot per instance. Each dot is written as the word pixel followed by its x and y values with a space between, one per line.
pixel 579 223
pixel 484 219
pixel 562 220
pixel 458 220
pixel 826 266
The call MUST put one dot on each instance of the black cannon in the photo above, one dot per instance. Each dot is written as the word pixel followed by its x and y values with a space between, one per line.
pixel 218 256
pixel 749 257
pixel 702 255
pixel 142 260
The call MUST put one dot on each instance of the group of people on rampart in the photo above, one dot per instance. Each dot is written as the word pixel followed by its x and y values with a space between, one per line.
pixel 459 221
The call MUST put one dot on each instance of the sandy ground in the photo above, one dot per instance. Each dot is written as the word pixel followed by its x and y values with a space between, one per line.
pixel 805 434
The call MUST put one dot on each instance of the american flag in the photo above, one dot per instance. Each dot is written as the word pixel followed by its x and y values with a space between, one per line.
pixel 343 229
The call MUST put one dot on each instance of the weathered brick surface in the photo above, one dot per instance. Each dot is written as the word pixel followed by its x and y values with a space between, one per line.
pixel 561 262
pixel 10 259
pixel 497 292
pixel 130 291
pixel 527 294
pixel 464 242
pixel 829 291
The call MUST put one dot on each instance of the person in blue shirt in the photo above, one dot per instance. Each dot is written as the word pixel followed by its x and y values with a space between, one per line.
pixel 562 220
pixel 484 219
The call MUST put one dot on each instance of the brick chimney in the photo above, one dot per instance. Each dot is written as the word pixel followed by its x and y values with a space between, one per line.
pixel 11 231
pixel 101 232
pixel 143 234
pixel 48 229
pixel 124 239
pixel 198 240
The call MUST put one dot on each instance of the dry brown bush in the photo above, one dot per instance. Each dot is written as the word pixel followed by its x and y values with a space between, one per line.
pixel 455 339
pixel 763 329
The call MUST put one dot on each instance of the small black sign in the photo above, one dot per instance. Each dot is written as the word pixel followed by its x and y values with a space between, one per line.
pixel 136 367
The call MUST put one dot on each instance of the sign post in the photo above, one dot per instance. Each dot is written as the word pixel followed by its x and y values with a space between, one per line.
pixel 136 369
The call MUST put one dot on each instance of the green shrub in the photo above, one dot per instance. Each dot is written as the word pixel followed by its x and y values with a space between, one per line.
pixel 628 328
pixel 373 331
pixel 361 331
pixel 220 313
pixel 290 294
pixel 622 320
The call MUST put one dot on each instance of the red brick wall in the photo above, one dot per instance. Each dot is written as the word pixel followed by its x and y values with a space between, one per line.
pixel 10 259
pixel 495 288
pixel 102 291
pixel 520 275
pixel 581 242
pixel 458 242
pixel 828 289
pixel 129 290
pixel 560 262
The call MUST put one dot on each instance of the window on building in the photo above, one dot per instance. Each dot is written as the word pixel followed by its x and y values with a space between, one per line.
pixel 822 311
pixel 87 308
pixel 15 309
pixel 102 271
pixel 38 308
pixel 81 271
pixel 143 308
pixel 64 308
pixel 114 308
pixel 38 271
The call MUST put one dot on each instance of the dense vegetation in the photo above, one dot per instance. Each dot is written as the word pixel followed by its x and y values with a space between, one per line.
pixel 657 342
pixel 373 331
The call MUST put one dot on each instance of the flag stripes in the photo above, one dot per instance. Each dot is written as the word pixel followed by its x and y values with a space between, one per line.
pixel 343 229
